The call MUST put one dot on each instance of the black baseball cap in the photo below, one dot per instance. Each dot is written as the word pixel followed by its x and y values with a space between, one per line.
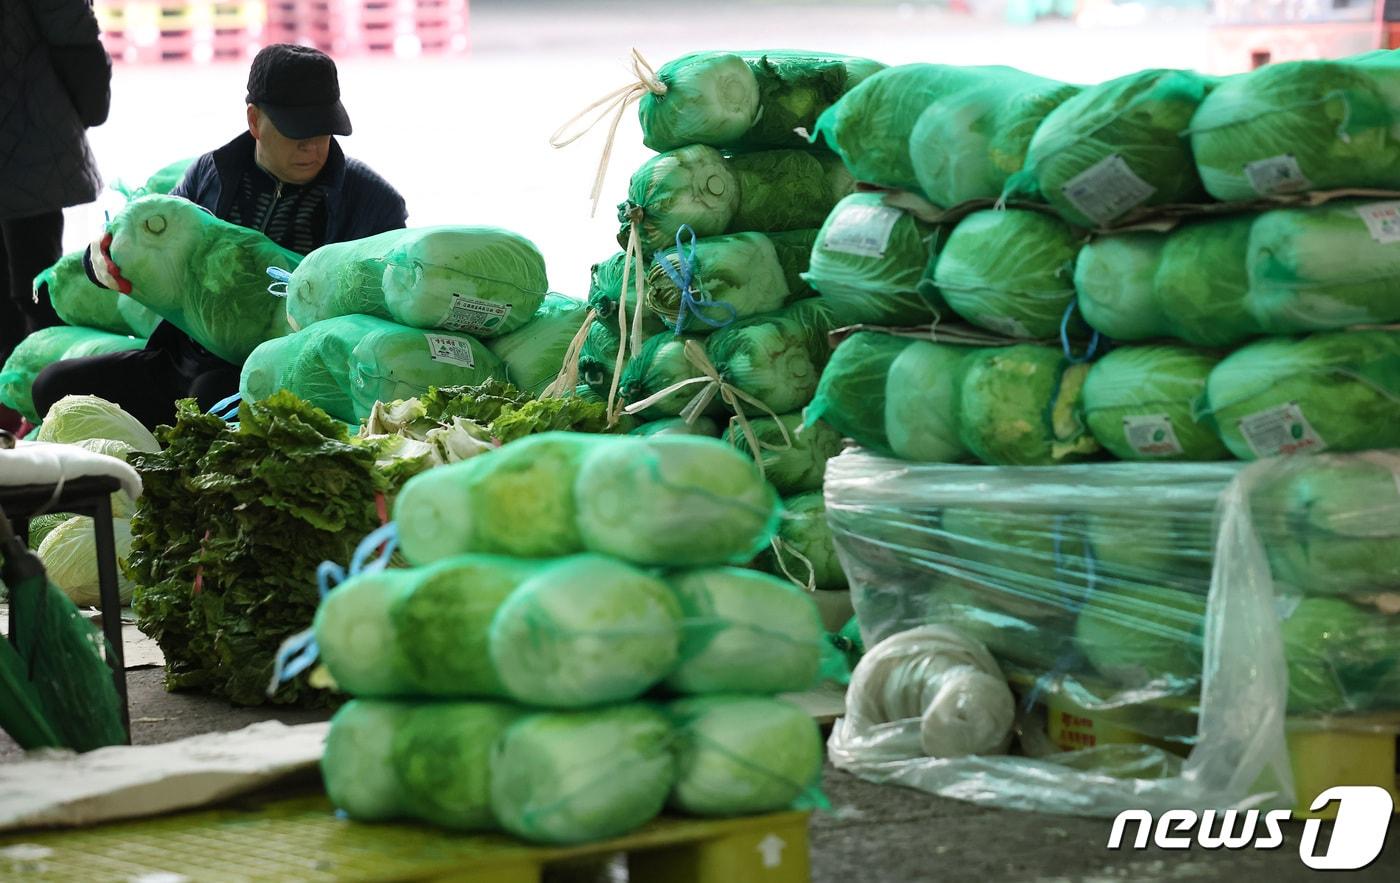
pixel 297 87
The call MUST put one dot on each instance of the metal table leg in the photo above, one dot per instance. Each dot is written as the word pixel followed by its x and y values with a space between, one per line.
pixel 111 601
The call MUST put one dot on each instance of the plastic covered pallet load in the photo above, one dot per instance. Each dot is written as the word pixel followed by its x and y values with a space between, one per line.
pixel 1186 604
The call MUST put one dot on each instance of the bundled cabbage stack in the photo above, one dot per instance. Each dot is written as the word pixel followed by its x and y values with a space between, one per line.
pixel 529 661
pixel 699 187
pixel 205 276
pixel 967 144
pixel 730 277
pixel 1337 391
pixel 46 346
pixel 804 532
pixel 1116 147
pixel 1299 126
pixel 1148 403
pixel 481 280
pixel 1009 271
pixel 346 364
pixel 81 303
pixel 871 264
pixel 745 100
pixel 1016 405
pixel 792 456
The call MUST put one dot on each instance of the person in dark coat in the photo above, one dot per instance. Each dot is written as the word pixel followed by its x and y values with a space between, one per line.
pixel 55 83
pixel 285 176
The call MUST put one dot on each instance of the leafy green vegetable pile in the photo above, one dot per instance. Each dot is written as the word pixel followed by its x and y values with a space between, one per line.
pixel 229 532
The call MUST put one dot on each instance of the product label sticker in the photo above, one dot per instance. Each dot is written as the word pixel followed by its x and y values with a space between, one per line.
pixel 1152 435
pixel 1383 220
pixel 1276 175
pixel 1281 431
pixel 470 314
pixel 1107 190
pixel 452 350
pixel 862 230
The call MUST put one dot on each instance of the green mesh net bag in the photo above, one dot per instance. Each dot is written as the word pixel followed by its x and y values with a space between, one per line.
pixel 161 181
pixel 1325 268
pixel 707 284
pixel 895 395
pixel 871 126
pixel 804 545
pixel 1148 402
pixel 1115 278
pixel 346 364
pixel 1116 147
pixel 744 100
pixel 1337 391
pixel 1202 284
pixel 482 280
pixel 793 458
pixel 426 761
pixel 1009 271
pixel 965 145
pixel 664 500
pixel 80 303
pixel 534 353
pixel 1022 406
pixel 871 263
pixel 772 362
pixel 1301 125
pixel 651 383
pixel 46 346
pixel 205 276
pixel 697 186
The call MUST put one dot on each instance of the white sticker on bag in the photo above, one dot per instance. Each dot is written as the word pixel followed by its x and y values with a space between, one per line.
pixel 1281 431
pixel 1383 220
pixel 1152 435
pixel 1276 175
pixel 862 230
pixel 470 314
pixel 1107 190
pixel 452 350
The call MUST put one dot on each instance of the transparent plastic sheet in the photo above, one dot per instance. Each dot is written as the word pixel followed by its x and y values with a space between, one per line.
pixel 482 280
pixel 205 276
pixel 1191 604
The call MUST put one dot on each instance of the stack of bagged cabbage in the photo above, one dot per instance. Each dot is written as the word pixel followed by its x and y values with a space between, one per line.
pixel 1178 274
pixel 705 316
pixel 1246 329
pixel 572 648
pixel 97 321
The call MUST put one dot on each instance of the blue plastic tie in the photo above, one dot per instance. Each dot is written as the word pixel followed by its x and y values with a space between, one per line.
pixel 296 655
pixel 387 537
pixel 1064 337
pixel 227 408
pixel 279 286
pixel 328 576
pixel 684 279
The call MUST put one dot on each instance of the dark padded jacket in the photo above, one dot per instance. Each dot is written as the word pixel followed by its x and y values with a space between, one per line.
pixel 55 81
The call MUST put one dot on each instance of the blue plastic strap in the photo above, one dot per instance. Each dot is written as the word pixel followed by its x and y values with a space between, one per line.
pixel 386 537
pixel 296 655
pixel 280 278
pixel 1064 338
pixel 684 279
pixel 226 408
pixel 328 576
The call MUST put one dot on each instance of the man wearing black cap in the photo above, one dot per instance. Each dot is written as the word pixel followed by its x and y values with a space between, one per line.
pixel 287 177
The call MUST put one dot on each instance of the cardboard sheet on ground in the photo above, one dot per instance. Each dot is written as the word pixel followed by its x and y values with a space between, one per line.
pixel 66 790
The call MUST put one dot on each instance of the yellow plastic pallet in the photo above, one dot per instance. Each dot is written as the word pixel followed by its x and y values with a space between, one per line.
pixel 301 839
pixel 1324 752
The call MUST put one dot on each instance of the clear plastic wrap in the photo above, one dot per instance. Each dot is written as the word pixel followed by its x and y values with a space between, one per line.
pixel 1193 608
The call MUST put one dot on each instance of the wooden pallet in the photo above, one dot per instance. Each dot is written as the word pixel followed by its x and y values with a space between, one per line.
pixel 300 839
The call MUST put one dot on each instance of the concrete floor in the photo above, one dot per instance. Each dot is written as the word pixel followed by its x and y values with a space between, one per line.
pixel 874 834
